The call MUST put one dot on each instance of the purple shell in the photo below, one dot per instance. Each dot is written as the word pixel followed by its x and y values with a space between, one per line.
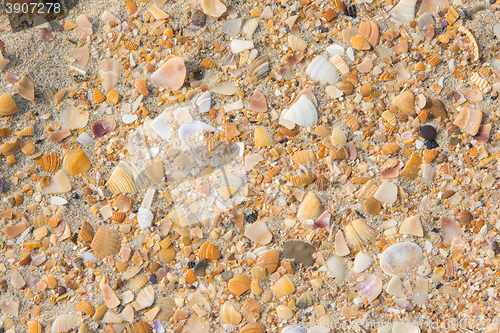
pixel 103 127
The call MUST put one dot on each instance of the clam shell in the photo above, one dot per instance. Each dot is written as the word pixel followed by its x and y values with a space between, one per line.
pixel 399 259
pixel 228 314
pixel 322 70
pixel 362 262
pixel 283 286
pixel 204 102
pixel 255 287
pixel 259 67
pixel 284 312
pixel 50 163
pixel 27 131
pixel 364 231
pixel 106 242
pixel 411 226
pixel 303 112
pixel 368 284
pixel 262 137
pixel 310 207
pixel 253 328
pixel 469 120
pixel 76 162
pixel 103 127
pixel 7 105
pixel 303 180
pixel 125 179
pixel 171 74
pixel 340 154
pixel 26 88
pixel 370 31
pixel 269 260
pixel 64 323
pixel 208 251
pixel 213 8
pixel 338 137
pixel 258 102
pixel 86 232
pixel 113 96
pixel 296 43
pixel 303 157
pixel 389 148
pixel 86 308
pixel 404 11
pixel 9 147
pixel 405 102
pixel 240 45
pixel 139 327
pixel 251 310
pixel 145 298
pixel 80 56
pixel 259 232
pixel 387 192
pixel 238 285
pixel 249 27
pixel 410 171
pixel 28 147
pixel 109 71
pixel 207 63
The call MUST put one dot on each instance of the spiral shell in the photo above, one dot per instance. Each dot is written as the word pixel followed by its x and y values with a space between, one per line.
pixel 209 251
pixel 228 314
pixel 144 299
pixel 9 147
pixel 250 27
pixel 27 131
pixel 7 105
pixel 269 260
pixel 303 180
pixel 303 157
pixel 296 43
pixel 410 171
pixel 86 308
pixel 340 64
pixel 76 162
pixel 283 286
pixel 139 327
pixel 238 285
pixel 239 45
pixel 480 82
pixel 253 328
pixel 98 96
pixel 50 163
pixel 370 31
pixel 106 242
pixel 429 155
pixel 113 96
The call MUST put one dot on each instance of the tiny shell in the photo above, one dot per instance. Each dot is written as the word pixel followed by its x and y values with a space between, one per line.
pixel 171 74
pixel 322 70
pixel 106 242
pixel 64 323
pixel 250 27
pixel 125 179
pixel 399 259
pixel 389 148
pixel 389 117
pixel 363 230
pixel 259 232
pixel 98 96
pixel 238 285
pixel 310 207
pixel 28 147
pixel 283 286
pixel 259 67
pixel 209 251
pixel 303 112
pixel 341 248
pixel 154 170
pixel 269 260
pixel 76 162
pixel 103 127
pixel 304 301
pixel 50 163
pixel 7 105
pixel 34 327
pixel 338 137
pixel 284 312
pixel 86 232
pixel 145 298
pixel 303 180
pixel 109 71
pixel 240 45
pixel 262 137
pixel 296 43
pixel 251 309
pixel 303 157
pixel 83 27
pixel 113 96
pixel 411 226
pixel 25 88
pixel 450 229
pixel 204 102
pixel 405 102
pixel 80 56
pixel 360 43
pixel 228 314
pixel 429 155
pixel 258 102
pixel 27 131
pixel 410 171
pixel 340 64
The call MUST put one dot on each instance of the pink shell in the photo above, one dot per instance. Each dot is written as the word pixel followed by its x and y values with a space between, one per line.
pixel 323 221
pixel 483 135
pixel 103 127
pixel 370 285
pixel 450 229
pixel 258 102
pixel 171 74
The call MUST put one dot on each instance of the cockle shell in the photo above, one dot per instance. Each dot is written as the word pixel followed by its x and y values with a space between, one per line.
pixel 240 45
pixel 76 162
pixel 9 147
pixel 399 259
pixel 404 11
pixel 139 327
pixel 352 236
pixel 213 8
pixel 283 287
pixel 109 71
pixel 405 102
pixel 364 231
pixel 259 67
pixel 469 120
pixel 251 309
pixel 106 242
pixel 310 207
pixel 370 31
pixel 50 162
pixel 25 88
pixel 410 171
pixel 362 262
pixel 171 74
pixel 7 105
pixel 86 308
pixel 98 96
pixel 204 102
pixel 113 96
pixel 208 251
pixel 249 27
pixel 296 43
pixel 64 323
pixel 303 180
pixel 303 157
pixel 238 285
pixel 304 301
pixel 411 226
pixel 262 137
pixel 228 314
pixel 86 232
pixel 269 260
pixel 259 232
pixel 368 284
pixel 303 112
pixel 145 298
pixel 125 179
pixel 322 70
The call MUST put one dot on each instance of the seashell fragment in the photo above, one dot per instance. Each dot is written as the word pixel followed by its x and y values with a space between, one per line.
pixel 284 312
pixel 86 232
pixel 387 192
pixel 208 251
pixel 303 112
pixel 450 229
pixel 404 11
pixel 338 137
pixel 340 64
pixel 360 43
pixel 50 163
pixel 389 148
pixel 259 232
pixel 28 147
pixel 231 27
pixel 262 137
pixel 474 51
pixel 303 180
pixel 399 259
pixel 238 285
pixel 27 131
pixel 113 96
pixel 9 147
pixel 310 207
pixel 322 70
pixel 125 179
pixel 258 102
pixel 213 8
pixel 283 286
pixel 140 327
pixel 83 27
pixel 109 296
pixel 64 323
pixel 405 102
pixel 171 74
pixel 412 226
pixel 228 314
pixel 250 27
pixel 240 45
pixel 7 105
pixel 141 86
pixel 362 262
pixel 368 284
pixel 303 157
pixel 76 162
pixel 26 88
pixel 34 327
pixel 259 67
pixel 145 298
pixel 410 171
pixel 296 43
pixel 204 102
pixel 428 155
pixel 157 12
pixel 80 56
pixel 269 260
pixel 370 31
pixel 106 242
pixel 341 248
pixel 469 120
pixel 109 71
pixel 103 127
pixel 59 183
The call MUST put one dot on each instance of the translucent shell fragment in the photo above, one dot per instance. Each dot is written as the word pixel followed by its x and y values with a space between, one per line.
pixel 310 207
pixel 469 120
pixel 109 71
pixel 213 8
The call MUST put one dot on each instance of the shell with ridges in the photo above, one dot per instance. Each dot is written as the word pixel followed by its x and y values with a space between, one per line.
pixel 139 327
pixel 125 179
pixel 98 96
pixel 340 64
pixel 283 286
pixel 296 43
pixel 352 122
pixel 27 131
pixel 28 147
pixel 364 231
pixel 113 96
pixel 303 112
pixel 310 207
pixel 480 82
pixel 404 11
pixel 250 27
pixel 284 312
pixel 410 171
pixel 76 162
pixel 106 242
pixel 251 309
pixel 228 314
pixel 269 260
pixel 7 105
pixel 370 31
pixel 475 48
pixel 389 148
pixel 338 137
pixel 34 327
pixel 208 251
pixel 50 162
pixel 405 102
pixel 429 154
pixel 303 180
pixel 389 117
pixel 86 232
pixel 259 67
pixel 204 102
pixel 303 157
pixel 238 285
pixel 9 147
pixel 239 45
pixel 253 328
pixel 144 299
pixel 322 70
pixel 64 323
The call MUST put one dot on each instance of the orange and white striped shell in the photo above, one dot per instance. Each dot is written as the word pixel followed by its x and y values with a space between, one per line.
pixel 50 162
pixel 76 162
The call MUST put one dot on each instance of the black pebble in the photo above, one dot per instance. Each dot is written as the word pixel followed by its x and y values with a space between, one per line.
pixel 199 269
pixel 350 11
pixel 428 132
pixel 153 279
pixel 431 144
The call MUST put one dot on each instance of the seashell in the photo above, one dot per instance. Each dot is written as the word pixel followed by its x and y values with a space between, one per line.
pixel 86 232
pixel 303 180
pixel 251 309
pixel 258 102
pixel 399 259
pixel 389 148
pixel 322 131
pixel 141 86
pixel 480 82
pixel 64 323
pixel 154 170
pixel 28 147
pixel 113 96
pixel 86 308
pixel 129 45
pixel 389 117
pixel 7 105
pixel 262 137
pixel 464 30
pixel 450 229
pixel 305 300
pixel 387 192
pixel 106 242
pixel 5 132
pixel 433 61
pixel 167 255
pixel 338 137
pixel 125 179
pixel 259 67
pixel 364 231
pixel 118 217
pixel 404 11
pixel 303 157
pixel 259 232
pixel 294 328
pixel 103 127
pixel 296 43
pixel 80 56
pixel 255 288
pixel 98 96
pixel 145 298
pixel 340 64
pixel 259 273
pixel 405 102
pixel 213 8
pixel 428 155
pixel 284 312
pixel 341 248
pixel 50 163
pixel 255 12
pixel 410 171
pixel 269 260
pixel 34 327
pixel 238 285
pixel 231 27
pixel 59 183
pixel 9 147
pixel 139 327
pixel 229 185
pixel 362 262
pixel 412 226
pixel 26 88
pixel 310 207
pixel 360 43
pixel 131 6
pixel 208 251
pixel 372 206
pixel 76 162
pixel 207 63
pixel 352 122
pixel 109 71
pixel 340 154
pixel 321 183
pixel 157 12
pixel 322 70
pixel 27 131
pixel 83 27
pixel 228 314
pixel 329 14
pixel 240 45
pixel 370 31
pixel 473 95
pixel 283 286
pixel 368 284
pixel 204 102
pixel 111 318
pixel 250 27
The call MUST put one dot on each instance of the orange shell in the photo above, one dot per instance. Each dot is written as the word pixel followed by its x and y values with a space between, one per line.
pixel 251 309
pixel 269 260
pixel 370 31
pixel 98 96
pixel 7 105
pixel 207 63
pixel 113 96
pixel 76 162
pixel 50 162
pixel 238 285
pixel 303 157
pixel 208 251
pixel 283 287
pixel 106 242
pixel 86 308
pixel 34 327
pixel 139 327
pixel 86 232
pixel 303 180
pixel 429 155
pixel 129 45
pixel 410 171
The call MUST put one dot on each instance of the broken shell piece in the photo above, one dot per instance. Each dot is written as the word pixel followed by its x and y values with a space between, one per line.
pixel 269 260
pixel 141 86
pixel 109 71
pixel 26 88
pixel 310 207
pixel 80 56
pixel 73 118
pixel 387 192
pixel 209 251
pixel 259 67
pixel 59 183
pixel 340 64
pixel 145 298
pixel 404 11
pixel 362 262
pixel 27 131
pixel 360 43
pixel 213 8
pixel 405 102
pixel 450 229
pixel 429 155
pixel 368 284
pixel 283 287
pixel 64 323
pixel 103 127
pixel 238 285
pixel 204 102
pixel 341 248
pixel 250 27
pixel 50 162
pixel 228 314
pixel 303 112
pixel 469 120
pixel 412 226
pixel 171 74
pixel 258 102
pixel 106 242
pixel 83 27
pixel 109 296
pixel 399 259
pixel 259 232
pixel 239 45
pixel 262 137
pixel 157 12
pixel 370 31
pixel 9 147
pixel 303 157
pixel 484 133
pixel 125 179
pixel 296 43
pixel 410 171
pixel 322 70
pixel 338 137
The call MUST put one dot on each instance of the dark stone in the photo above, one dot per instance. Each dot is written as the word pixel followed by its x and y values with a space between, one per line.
pixel 153 279
pixel 495 247
pixel 251 218
pixel 350 11
pixel 191 264
pixel 301 252
pixel 61 290
pixel 199 268
pixel 454 141
pixel 428 132
pixel 431 144
pixel 226 275
pixel 435 108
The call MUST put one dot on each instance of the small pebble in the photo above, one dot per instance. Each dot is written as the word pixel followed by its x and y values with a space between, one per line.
pixel 428 132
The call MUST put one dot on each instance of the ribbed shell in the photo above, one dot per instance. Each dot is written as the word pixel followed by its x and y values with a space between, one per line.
pixel 253 328
pixel 129 45
pixel 404 11
pixel 238 285
pixel 27 131
pixel 364 231
pixel 250 27
pixel 204 102
pixel 429 155
pixel 64 323
pixel 322 70
pixel 296 43
pixel 209 251
pixel 50 162
pixel 7 105
pixel 228 314
pixel 389 148
pixel 410 171
pixel 125 179
pixel 238 45
pixel 86 232
pixel 98 96
pixel 340 64
pixel 303 180
pixel 283 287
pixel 480 82
pixel 139 327
pixel 34 327
pixel 352 122
pixel 76 162
pixel 389 117
pixel 251 309
pixel 370 31
pixel 28 147
pixel 106 242
pixel 303 112
pixel 144 299
pixel 259 67
pixel 405 102
pixel 303 157
pixel 113 96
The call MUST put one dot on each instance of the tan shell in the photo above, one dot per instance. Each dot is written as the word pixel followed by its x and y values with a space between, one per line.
pixel 131 6
pixel 125 179
pixel 141 86
pixel 5 132
pixel 259 67
pixel 9 147
pixel 50 162
pixel 27 131
pixel 255 287
pixel 364 231
pixel 338 137
pixel 480 82
pixel 410 171
pixel 303 180
pixel 7 105
pixel 429 155
pixel 26 88
pixel 259 273
pixel 64 323
pixel 86 232
pixel 238 285
pixel 283 287
pixel 352 122
pixel 113 96
pixel 228 314
pixel 86 308
pixel 34 327
pixel 303 157
pixel 28 147
pixel 253 328
pixel 106 242
pixel 129 45
pixel 385 76
pixel 405 102
pixel 340 154
pixel 139 327
pixel 310 207
pixel 329 14
pixel 118 217
pixel 296 43
pixel 340 64
pixel 269 260
pixel 76 162
pixel 433 61
pixel 262 137
pixel 389 148
pixel 208 251
pixel 389 117
pixel 154 170
pixel 322 131
pixel 98 96
pixel 207 63
pixel 370 31
pixel 475 48
pixel 144 299
pixel 360 43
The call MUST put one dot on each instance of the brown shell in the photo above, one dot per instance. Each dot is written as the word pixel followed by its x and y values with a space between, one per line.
pixel 321 183
pixel 390 35
pixel 385 76
pixel 303 157
pixel 27 131
pixel 228 314
pixel 251 310
pixel 410 171
pixel 429 154
pixel 76 162
pixel 269 260
pixel 129 45
pixel 34 327
pixel 113 96
pixel 238 285
pixel 50 162
pixel 207 63
pixel 7 105
pixel 86 232
pixel 360 43
pixel 86 308
pixel 303 180
pixel 340 154
pixel 118 217
pixel 139 327
pixel 106 242
pixel 209 251
pixel 9 147
pixel 329 14
pixel 4 132
pixel 28 147
pixel 370 31
pixel 98 96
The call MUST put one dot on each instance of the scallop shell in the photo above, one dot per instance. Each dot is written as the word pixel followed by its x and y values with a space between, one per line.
pixel 389 148
pixel 433 61
pixel 389 117
pixel 240 45
pixel 399 259
pixel 34 327
pixel 106 242
pixel 208 251
pixel 86 232
pixel 364 231
pixel 28 147
pixel 145 298
pixel 129 45
pixel 86 308
pixel 410 171
pixel 7 105
pixel 204 102
pixel 125 179
pixel 109 71
pixel 213 8
pixel 27 131
pixel 9 147
pixel 310 207
pixel 250 27
pixel 228 314
pixel 405 102
pixel 98 96
pixel 303 157
pixel 171 74
pixel 338 137
pixel 139 327
pixel 259 67
pixel 284 312
pixel 50 162
pixel 269 260
pixel 26 88
pixel 283 286
pixel 113 96
pixel 296 43
pixel 238 285
pixel 429 155
pixel 76 162
pixel 253 328
pixel 480 82
pixel 262 137
pixel 475 48
pixel 370 31
pixel 340 64
pixel 64 323
pixel 404 11
pixel 303 180
pixel 322 70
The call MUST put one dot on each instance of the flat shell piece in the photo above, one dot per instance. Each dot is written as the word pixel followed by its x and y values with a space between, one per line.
pixel 401 258
pixel 259 232
pixel 302 252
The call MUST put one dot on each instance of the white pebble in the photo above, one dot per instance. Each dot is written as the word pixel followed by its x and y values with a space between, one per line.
pixel 129 118
pixel 58 201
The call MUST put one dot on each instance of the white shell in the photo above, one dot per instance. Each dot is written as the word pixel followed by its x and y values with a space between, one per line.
pixel 322 70
pixel 335 49
pixel 293 329
pixel 319 329
pixel 362 262
pixel 421 291
pixel 303 112
pixel 336 267
pixel 387 192
pixel 250 27
pixel 412 226
pixel 64 323
pixel 231 27
pixel 400 258
pixel 145 298
pixel 239 45
pixel 404 11
pixel 428 172
pixel 204 102
pixel 394 287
